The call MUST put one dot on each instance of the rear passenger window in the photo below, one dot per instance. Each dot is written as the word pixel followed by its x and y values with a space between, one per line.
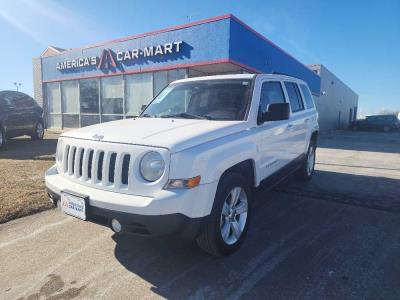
pixel 307 96
pixel 271 92
pixel 294 97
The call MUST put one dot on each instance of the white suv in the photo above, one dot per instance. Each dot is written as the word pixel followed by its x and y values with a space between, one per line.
pixel 190 162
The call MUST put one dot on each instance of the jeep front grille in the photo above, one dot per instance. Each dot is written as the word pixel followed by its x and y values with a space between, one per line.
pixel 97 166
pixel 108 166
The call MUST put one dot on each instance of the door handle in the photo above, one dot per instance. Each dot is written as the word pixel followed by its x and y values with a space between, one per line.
pixel 307 119
pixel 290 127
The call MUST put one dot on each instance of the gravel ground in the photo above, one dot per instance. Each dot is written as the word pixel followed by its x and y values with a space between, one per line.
pixel 22 167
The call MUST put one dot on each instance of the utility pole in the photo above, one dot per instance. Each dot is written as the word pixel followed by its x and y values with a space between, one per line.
pixel 18 85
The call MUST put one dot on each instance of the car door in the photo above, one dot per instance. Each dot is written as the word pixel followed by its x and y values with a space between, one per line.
pixel 18 112
pixel 271 136
pixel 30 113
pixel 12 114
pixel 297 125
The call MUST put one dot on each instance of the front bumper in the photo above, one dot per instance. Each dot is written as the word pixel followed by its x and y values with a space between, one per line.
pixel 168 212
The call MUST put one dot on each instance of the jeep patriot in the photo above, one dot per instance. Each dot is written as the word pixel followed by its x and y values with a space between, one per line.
pixel 189 164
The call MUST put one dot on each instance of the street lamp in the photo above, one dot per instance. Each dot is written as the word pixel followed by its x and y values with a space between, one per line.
pixel 17 85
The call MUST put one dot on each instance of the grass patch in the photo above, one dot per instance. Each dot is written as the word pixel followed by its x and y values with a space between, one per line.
pixel 22 167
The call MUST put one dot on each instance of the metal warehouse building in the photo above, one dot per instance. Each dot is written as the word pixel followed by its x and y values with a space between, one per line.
pixel 113 80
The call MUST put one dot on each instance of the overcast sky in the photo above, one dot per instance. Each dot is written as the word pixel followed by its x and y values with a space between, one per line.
pixel 357 40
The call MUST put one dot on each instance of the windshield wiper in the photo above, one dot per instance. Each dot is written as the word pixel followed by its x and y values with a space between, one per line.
pixel 184 116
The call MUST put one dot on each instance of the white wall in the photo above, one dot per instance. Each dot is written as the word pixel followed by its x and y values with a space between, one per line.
pixel 335 102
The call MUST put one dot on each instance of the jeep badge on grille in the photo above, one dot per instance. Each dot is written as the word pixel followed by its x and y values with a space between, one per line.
pixel 98 137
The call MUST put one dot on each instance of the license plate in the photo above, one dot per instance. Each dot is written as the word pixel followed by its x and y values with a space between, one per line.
pixel 73 205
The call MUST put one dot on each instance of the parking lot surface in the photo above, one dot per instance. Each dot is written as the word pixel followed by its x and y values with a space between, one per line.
pixel 335 237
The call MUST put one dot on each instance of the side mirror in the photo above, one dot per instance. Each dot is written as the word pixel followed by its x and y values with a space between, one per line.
pixel 277 112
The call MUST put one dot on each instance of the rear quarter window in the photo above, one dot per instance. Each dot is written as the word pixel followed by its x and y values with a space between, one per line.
pixel 307 96
pixel 295 100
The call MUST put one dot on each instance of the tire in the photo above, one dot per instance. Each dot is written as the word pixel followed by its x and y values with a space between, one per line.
pixel 224 219
pixel 38 133
pixel 3 139
pixel 306 171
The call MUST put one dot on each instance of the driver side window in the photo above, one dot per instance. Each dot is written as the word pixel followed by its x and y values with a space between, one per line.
pixel 271 92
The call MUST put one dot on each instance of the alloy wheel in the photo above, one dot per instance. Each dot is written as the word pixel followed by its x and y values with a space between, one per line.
pixel 39 130
pixel 234 215
pixel 311 161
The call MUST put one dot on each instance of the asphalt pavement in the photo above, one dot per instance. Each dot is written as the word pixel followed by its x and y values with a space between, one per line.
pixel 336 237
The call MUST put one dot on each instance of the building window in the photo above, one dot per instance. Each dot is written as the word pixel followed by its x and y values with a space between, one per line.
pixel 160 82
pixel 139 92
pixel 70 121
pixel 53 99
pixel 108 118
pixel 112 95
pixel 89 96
pixel 87 120
pixel 70 103
pixel 176 74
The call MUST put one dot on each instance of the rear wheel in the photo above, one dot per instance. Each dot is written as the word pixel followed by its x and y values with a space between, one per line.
pixel 228 222
pixel 3 139
pixel 307 169
pixel 38 133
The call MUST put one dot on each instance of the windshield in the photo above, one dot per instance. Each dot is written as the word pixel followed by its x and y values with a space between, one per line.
pixel 207 99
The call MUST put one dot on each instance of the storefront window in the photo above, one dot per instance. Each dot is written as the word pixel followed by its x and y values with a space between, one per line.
pixel 176 74
pixel 53 97
pixel 139 89
pixel 160 82
pixel 54 121
pixel 87 120
pixel 70 121
pixel 70 97
pixel 89 95
pixel 112 95
pixel 109 118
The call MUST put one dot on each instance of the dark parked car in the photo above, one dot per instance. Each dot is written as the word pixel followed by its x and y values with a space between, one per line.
pixel 19 115
pixel 382 123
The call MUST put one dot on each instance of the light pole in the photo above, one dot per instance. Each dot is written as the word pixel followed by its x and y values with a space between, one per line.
pixel 17 85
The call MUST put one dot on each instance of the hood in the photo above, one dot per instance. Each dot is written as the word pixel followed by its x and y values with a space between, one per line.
pixel 173 134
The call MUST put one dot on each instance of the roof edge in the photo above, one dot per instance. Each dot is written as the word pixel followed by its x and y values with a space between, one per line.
pixel 149 33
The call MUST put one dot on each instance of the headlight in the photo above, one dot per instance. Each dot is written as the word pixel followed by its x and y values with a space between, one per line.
pixel 152 166
pixel 59 152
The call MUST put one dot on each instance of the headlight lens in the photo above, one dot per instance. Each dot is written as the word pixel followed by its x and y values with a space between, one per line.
pixel 59 152
pixel 152 166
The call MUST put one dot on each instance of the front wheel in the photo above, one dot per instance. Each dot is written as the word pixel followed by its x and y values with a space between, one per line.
pixel 227 225
pixel 38 133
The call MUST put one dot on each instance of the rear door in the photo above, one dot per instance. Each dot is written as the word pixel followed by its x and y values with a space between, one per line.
pixel 18 112
pixel 298 122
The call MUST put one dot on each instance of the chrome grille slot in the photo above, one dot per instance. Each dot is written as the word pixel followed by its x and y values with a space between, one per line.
pixel 71 160
pixel 125 169
pixel 65 157
pixel 90 163
pixel 100 166
pixel 111 168
pixel 80 162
